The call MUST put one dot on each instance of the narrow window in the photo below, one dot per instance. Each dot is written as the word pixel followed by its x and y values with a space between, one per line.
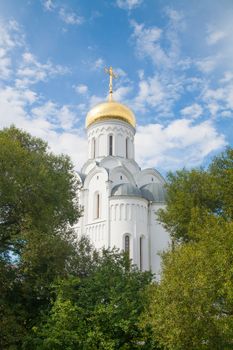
pixel 110 145
pixel 127 246
pixel 97 206
pixel 140 253
pixel 93 148
pixel 127 147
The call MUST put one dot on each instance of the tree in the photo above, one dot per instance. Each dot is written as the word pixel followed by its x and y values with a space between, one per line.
pixel 38 205
pixel 209 191
pixel 222 171
pixel 99 311
pixel 38 189
pixel 192 307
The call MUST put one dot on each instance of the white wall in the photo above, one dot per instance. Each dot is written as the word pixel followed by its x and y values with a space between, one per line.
pixel 120 131
pixel 129 215
pixel 96 228
pixel 159 238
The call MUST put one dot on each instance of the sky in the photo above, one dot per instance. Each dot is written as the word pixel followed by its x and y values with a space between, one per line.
pixel 174 61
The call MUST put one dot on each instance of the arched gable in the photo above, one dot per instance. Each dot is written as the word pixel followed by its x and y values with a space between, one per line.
pixel 116 173
pixel 94 172
pixel 147 176
pixel 88 166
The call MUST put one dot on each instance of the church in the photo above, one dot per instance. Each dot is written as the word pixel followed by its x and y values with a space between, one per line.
pixel 120 200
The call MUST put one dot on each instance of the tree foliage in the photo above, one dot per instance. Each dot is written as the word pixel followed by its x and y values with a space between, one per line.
pixel 38 204
pixel 208 191
pixel 100 311
pixel 192 306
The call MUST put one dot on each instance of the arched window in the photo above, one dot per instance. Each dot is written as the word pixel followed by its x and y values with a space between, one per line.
pixel 110 151
pixel 93 148
pixel 127 244
pixel 127 147
pixel 97 206
pixel 141 253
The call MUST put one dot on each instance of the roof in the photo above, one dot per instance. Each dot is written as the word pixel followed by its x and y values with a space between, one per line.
pixel 153 192
pixel 110 110
pixel 126 189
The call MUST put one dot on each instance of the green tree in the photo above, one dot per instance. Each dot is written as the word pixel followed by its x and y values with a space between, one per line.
pixel 209 191
pixel 222 171
pixel 192 307
pixel 99 311
pixel 38 205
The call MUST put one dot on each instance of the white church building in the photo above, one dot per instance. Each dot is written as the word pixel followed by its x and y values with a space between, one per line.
pixel 120 200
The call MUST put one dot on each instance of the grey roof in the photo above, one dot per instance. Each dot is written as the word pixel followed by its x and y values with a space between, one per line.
pixel 126 189
pixel 154 192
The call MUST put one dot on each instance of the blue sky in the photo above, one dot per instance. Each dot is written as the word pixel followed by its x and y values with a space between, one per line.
pixel 174 61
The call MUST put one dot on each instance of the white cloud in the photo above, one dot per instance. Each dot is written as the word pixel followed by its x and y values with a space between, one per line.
pixel 120 73
pixel 213 108
pixel 207 64
pixel 215 36
pixel 10 38
pixel 120 93
pixel 81 89
pixel 211 94
pixel 150 94
pixel 220 100
pixel 193 111
pixel 31 71
pixel 48 110
pixel 53 123
pixel 62 117
pixel 72 143
pixel 11 35
pixel 228 77
pixel 229 97
pixel 175 16
pixel 157 95
pixel 147 43
pixel 227 114
pixel 162 46
pixel 179 144
pixel 70 17
pixel 97 64
pixel 94 100
pixel 48 5
pixel 5 64
pixel 67 16
pixel 22 106
pixel 128 4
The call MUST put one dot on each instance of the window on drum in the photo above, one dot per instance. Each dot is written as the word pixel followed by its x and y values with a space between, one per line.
pixel 127 244
pixel 110 145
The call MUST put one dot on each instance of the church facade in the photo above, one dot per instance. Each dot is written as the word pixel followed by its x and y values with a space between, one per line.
pixel 120 200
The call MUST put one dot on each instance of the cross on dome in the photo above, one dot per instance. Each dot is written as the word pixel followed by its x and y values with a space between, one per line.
pixel 111 76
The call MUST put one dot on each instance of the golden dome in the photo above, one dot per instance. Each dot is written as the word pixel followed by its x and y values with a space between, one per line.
pixel 110 110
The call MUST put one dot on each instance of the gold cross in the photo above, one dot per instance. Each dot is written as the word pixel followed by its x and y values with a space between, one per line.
pixel 111 75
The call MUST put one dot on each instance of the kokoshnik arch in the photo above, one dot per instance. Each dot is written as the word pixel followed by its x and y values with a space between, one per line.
pixel 120 199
